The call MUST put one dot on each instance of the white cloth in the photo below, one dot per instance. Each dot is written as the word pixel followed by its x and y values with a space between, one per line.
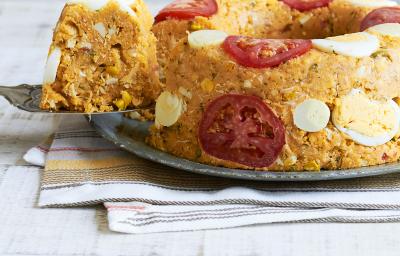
pixel 158 208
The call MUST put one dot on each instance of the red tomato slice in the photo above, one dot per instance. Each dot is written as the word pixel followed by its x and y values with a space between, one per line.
pixel 264 53
pixel 188 9
pixel 380 16
pixel 242 129
pixel 306 5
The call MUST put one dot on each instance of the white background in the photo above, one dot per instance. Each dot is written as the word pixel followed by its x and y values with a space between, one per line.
pixel 25 34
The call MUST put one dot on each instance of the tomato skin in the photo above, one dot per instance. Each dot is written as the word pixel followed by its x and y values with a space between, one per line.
pixel 250 56
pixel 306 5
pixel 175 10
pixel 241 138
pixel 381 16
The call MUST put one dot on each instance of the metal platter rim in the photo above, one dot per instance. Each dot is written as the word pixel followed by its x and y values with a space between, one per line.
pixel 107 124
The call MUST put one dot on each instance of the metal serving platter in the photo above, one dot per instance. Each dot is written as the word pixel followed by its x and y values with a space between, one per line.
pixel 130 135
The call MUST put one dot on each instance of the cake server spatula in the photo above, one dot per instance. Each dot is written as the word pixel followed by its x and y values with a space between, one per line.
pixel 27 97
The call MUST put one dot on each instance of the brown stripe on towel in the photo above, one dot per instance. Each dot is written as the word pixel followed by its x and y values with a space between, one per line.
pixel 132 169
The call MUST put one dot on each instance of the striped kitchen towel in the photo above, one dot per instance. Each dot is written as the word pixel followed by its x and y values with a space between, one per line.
pixel 82 168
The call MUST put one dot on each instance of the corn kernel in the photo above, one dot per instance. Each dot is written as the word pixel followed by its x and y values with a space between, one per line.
pixel 195 27
pixel 207 85
pixel 113 70
pixel 120 104
pixel 290 96
pixel 126 97
pixel 312 166
pixel 97 101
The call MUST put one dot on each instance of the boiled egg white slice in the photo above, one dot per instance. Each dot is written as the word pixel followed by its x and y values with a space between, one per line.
pixel 372 3
pixel 387 29
pixel 360 112
pixel 204 38
pixel 53 61
pixel 169 108
pixel 312 115
pixel 357 45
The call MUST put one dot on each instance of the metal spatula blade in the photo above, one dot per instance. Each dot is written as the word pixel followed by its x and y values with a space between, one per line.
pixel 27 97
